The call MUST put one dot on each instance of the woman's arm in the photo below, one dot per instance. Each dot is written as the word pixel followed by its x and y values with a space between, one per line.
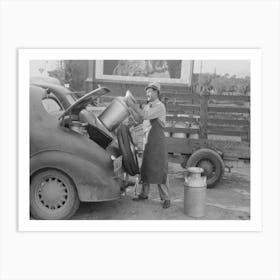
pixel 155 111
pixel 137 113
pixel 136 109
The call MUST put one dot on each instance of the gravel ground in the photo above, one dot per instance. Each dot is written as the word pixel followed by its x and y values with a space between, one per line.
pixel 230 200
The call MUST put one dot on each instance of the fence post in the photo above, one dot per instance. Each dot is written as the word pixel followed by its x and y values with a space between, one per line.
pixel 249 128
pixel 204 97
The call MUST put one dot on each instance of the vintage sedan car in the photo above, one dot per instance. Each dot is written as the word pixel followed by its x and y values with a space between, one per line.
pixel 70 159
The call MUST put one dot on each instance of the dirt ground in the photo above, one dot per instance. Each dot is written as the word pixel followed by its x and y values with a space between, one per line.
pixel 229 200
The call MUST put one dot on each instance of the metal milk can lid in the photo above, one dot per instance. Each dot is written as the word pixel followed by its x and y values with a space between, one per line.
pixel 195 170
pixel 194 179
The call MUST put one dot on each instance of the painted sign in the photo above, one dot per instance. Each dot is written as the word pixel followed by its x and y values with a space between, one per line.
pixel 164 71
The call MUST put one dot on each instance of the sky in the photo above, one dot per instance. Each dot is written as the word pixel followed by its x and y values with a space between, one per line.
pixel 232 67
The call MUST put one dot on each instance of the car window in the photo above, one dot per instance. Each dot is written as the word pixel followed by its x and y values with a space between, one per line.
pixel 51 106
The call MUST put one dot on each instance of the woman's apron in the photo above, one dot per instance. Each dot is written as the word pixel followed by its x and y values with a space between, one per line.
pixel 155 161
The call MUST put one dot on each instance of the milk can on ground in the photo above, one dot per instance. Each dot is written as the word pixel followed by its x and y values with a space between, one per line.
pixel 195 192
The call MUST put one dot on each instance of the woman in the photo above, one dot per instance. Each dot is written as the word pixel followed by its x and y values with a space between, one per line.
pixel 154 167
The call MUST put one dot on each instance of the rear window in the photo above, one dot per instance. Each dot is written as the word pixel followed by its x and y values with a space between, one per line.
pixel 51 106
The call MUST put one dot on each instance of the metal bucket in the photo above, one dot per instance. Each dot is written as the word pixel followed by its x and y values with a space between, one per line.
pixel 114 114
pixel 194 135
pixel 179 134
pixel 78 127
pixel 166 133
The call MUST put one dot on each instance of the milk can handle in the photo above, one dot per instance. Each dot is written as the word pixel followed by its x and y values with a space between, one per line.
pixel 186 176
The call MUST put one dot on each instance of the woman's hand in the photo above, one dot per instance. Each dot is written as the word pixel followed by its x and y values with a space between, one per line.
pixel 129 102
pixel 136 113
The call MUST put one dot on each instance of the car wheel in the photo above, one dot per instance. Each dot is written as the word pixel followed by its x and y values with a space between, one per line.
pixel 130 161
pixel 212 164
pixel 53 196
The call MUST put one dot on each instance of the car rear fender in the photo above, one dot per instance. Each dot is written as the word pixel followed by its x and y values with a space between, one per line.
pixel 93 183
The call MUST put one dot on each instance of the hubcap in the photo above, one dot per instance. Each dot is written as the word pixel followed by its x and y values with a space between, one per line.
pixel 52 193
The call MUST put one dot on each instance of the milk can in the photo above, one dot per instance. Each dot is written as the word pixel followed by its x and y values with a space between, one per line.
pixel 179 134
pixel 166 133
pixel 195 192
pixel 194 135
pixel 116 112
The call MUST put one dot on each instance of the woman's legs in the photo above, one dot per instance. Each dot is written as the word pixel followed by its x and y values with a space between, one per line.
pixel 163 190
pixel 145 190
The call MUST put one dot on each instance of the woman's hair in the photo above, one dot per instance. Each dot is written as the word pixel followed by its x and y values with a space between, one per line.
pixel 158 94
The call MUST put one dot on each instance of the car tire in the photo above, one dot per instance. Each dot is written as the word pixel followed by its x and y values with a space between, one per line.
pixel 212 164
pixel 53 196
pixel 127 147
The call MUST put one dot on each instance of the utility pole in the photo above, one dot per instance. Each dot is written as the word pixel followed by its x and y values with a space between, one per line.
pixel 199 78
pixel 191 75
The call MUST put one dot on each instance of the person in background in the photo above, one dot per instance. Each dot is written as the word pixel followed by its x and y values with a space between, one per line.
pixel 154 169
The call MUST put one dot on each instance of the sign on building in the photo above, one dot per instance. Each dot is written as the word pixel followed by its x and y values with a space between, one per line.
pixel 164 71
